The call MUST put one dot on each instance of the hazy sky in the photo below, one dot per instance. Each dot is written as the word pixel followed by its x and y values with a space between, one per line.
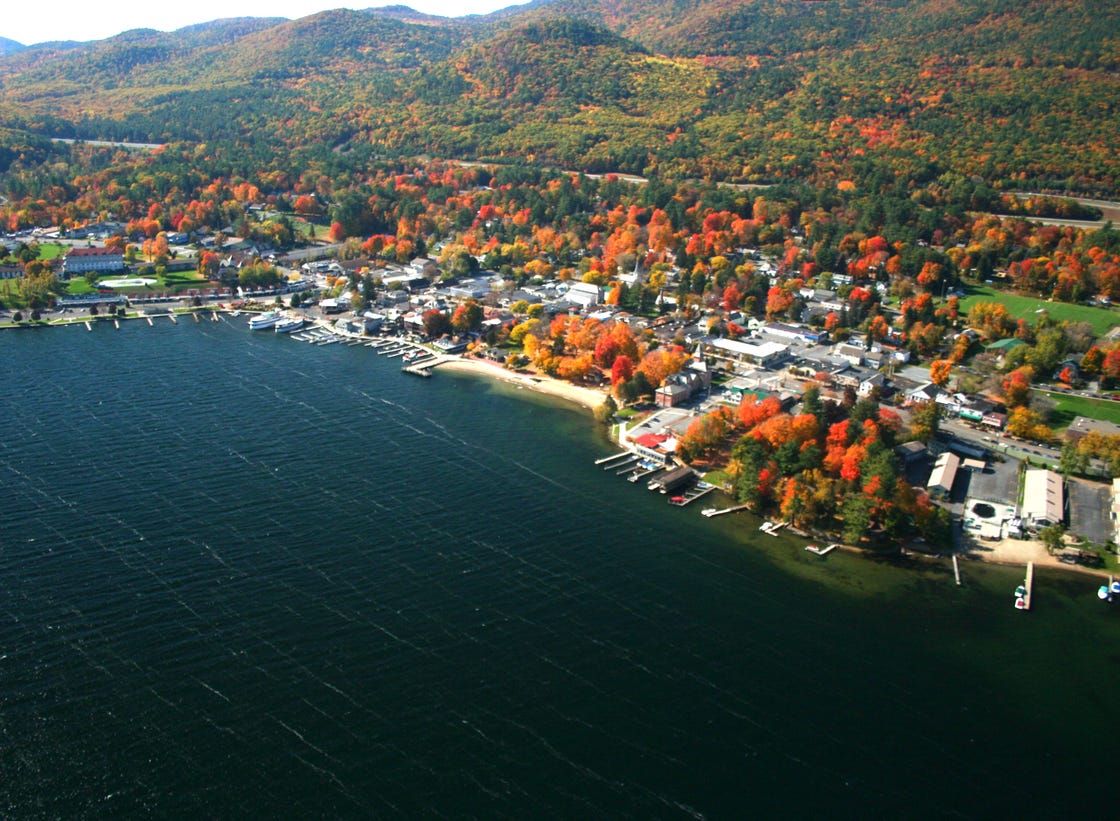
pixel 30 23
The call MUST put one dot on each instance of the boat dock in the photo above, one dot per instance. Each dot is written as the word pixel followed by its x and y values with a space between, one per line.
pixel 1028 583
pixel 691 495
pixel 822 551
pixel 711 511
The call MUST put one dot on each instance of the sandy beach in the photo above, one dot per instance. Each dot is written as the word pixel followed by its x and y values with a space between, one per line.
pixel 1021 551
pixel 590 398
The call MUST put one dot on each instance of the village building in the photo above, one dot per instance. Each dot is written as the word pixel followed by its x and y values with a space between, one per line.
pixel 911 451
pixel 1115 510
pixel 81 261
pixel 734 351
pixel 1082 425
pixel 1043 498
pixel 944 473
pixel 584 294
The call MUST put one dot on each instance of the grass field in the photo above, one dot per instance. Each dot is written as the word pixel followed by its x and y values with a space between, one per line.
pixel 52 250
pixel 1071 406
pixel 1025 307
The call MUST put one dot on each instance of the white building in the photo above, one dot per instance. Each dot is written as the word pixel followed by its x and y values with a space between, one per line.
pixel 1043 498
pixel 764 354
pixel 584 294
pixel 81 261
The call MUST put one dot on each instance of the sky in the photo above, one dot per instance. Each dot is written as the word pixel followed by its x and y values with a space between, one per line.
pixel 83 20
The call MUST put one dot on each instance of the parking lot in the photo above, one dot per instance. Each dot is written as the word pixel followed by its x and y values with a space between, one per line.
pixel 1089 504
pixel 998 483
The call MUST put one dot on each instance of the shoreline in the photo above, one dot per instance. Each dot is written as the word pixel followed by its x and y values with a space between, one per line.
pixel 589 398
pixel 1007 552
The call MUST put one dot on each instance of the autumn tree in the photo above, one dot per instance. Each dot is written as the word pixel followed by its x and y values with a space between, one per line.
pixel 925 419
pixel 1017 387
pixel 939 372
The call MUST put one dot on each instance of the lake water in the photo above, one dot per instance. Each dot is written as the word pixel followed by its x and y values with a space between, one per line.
pixel 245 576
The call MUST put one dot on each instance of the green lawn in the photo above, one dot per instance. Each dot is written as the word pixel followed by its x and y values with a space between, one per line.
pixel 1024 307
pixel 52 250
pixel 1071 406
pixel 78 287
pixel 182 280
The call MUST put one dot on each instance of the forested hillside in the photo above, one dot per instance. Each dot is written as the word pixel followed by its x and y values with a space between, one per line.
pixel 846 92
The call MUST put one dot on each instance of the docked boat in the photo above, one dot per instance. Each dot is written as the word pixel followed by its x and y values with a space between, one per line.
pixel 264 321
pixel 289 324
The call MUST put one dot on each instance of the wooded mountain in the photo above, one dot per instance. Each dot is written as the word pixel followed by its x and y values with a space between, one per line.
pixel 1017 92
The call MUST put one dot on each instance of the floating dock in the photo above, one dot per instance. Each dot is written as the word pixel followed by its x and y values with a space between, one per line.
pixel 1029 584
pixel 712 511
pixel 822 551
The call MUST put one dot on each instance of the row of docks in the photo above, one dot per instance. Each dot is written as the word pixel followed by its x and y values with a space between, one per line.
pixel 680 481
pixel 417 360
pixel 317 336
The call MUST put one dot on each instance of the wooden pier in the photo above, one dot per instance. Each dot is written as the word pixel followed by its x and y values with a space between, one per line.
pixel 822 551
pixel 1029 584
pixel 711 511
pixel 956 570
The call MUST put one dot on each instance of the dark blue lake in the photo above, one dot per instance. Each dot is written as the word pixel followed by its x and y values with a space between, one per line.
pixel 245 576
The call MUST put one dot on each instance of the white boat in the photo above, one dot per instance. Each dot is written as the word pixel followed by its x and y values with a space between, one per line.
pixel 289 324
pixel 265 320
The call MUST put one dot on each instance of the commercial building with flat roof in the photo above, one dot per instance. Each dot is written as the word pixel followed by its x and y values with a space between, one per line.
pixel 1043 498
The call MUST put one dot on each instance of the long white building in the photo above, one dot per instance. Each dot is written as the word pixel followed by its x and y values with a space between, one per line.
pixel 1043 498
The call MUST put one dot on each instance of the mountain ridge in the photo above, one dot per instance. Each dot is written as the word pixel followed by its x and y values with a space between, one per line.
pixel 743 90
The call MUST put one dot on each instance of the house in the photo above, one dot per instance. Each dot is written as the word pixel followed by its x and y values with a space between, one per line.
pixel 11 272
pixel 849 353
pixel 683 385
pixel 1043 498
pixel 944 474
pixel 81 261
pixel 911 451
pixel 923 393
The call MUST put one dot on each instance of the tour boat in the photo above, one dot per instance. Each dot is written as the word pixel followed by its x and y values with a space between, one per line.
pixel 265 320
pixel 289 324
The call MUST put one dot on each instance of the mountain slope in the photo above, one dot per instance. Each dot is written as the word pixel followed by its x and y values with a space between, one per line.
pixel 748 90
